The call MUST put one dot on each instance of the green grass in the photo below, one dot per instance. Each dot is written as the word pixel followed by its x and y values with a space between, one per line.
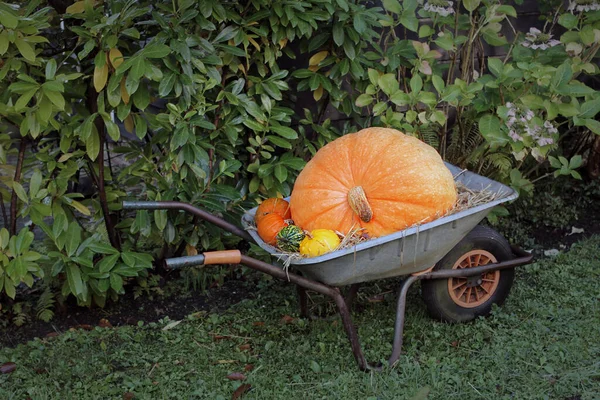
pixel 544 343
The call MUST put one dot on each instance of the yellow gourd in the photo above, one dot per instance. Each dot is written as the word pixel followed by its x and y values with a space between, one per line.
pixel 319 242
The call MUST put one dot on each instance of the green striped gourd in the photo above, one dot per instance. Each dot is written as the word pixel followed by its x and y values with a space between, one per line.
pixel 289 238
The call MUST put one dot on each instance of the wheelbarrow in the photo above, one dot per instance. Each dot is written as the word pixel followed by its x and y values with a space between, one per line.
pixel 464 268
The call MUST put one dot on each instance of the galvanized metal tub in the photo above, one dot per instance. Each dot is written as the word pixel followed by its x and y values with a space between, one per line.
pixel 401 253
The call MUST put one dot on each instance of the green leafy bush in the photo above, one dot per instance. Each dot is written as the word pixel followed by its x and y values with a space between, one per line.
pixel 221 103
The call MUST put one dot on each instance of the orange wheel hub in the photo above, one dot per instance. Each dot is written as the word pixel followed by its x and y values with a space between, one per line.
pixel 473 291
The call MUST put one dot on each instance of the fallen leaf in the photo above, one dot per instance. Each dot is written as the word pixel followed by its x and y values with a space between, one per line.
pixel 287 319
pixel 220 337
pixel 236 376
pixel 128 396
pixel 104 323
pixel 454 344
pixel 171 325
pixel 378 298
pixel 258 323
pixel 575 231
pixel 244 347
pixel 240 391
pixel 7 367
pixel 225 361
pixel 52 334
pixel 249 367
pixel 85 327
pixel 551 252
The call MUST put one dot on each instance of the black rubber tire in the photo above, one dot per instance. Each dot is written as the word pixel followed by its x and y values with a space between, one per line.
pixel 435 292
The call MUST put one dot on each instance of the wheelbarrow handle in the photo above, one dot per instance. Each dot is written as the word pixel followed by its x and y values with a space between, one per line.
pixel 207 258
pixel 177 205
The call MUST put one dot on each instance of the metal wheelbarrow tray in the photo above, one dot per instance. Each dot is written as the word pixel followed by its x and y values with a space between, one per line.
pixel 411 252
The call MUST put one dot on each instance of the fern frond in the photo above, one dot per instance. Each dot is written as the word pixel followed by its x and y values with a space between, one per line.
pixel 44 305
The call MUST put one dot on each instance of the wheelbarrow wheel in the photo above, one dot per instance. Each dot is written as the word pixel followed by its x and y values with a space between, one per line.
pixel 463 299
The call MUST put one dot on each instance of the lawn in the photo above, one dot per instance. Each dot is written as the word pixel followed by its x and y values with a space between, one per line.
pixel 543 343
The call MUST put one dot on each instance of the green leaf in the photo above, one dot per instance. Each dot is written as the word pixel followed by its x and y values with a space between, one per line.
pixel 388 83
pixel 589 109
pixel 116 283
pixel 284 131
pixel 373 76
pixel 160 219
pixel 576 162
pixel 567 109
pixel 568 20
pixel 20 192
pixel 156 50
pixel 8 19
pixel 495 65
pixel 277 141
pixel 364 100
pixel 92 145
pixel 73 238
pixel 489 126
pixel 225 34
pixel 349 49
pixel 410 21
pixel 35 182
pixel 25 49
pixel 392 6
pixel 438 83
pixel 508 10
pixel 74 279
pixel 4 42
pixel 416 83
pixel 24 99
pixel 50 69
pixel 138 69
pixel 593 125
pixel 56 98
pixel 108 262
pixel 113 130
pixel 400 98
pixel 280 173
pixel 471 5
pixel 359 23
pixel 101 247
pixel 562 75
pixel 338 33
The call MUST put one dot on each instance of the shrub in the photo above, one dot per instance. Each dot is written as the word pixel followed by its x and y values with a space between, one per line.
pixel 202 100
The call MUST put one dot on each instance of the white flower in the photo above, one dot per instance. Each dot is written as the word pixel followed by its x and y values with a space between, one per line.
pixel 515 136
pixel 440 7
pixel 584 5
pixel 536 39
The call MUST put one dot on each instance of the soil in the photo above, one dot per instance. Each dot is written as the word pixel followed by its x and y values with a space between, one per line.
pixel 563 238
pixel 128 311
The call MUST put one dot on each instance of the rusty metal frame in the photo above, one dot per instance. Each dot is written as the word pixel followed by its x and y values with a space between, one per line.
pixel 304 284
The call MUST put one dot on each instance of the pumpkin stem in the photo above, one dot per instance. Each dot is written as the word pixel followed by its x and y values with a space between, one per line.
pixel 359 203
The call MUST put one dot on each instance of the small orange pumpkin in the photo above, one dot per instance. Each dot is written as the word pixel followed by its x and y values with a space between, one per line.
pixel 379 179
pixel 269 226
pixel 273 205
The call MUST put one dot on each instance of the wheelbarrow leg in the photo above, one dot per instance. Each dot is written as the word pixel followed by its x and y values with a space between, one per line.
pixel 352 292
pixel 350 329
pixel 303 300
pixel 399 326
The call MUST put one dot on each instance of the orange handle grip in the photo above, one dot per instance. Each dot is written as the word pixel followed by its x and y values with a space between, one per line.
pixel 222 257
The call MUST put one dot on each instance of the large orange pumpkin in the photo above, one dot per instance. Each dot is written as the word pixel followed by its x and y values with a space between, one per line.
pixel 378 179
pixel 273 205
pixel 269 226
